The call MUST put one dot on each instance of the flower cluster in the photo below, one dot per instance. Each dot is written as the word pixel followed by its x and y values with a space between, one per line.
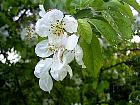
pixel 59 48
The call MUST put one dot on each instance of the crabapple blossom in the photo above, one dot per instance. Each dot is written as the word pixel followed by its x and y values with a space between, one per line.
pixel 58 49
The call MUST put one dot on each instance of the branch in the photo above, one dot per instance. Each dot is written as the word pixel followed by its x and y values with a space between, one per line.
pixel 135 49
pixel 103 69
pixel 127 62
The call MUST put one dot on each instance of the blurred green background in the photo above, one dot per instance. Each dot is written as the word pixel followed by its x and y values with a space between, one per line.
pixel 118 81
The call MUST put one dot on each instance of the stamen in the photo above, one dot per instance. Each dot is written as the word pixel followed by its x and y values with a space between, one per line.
pixel 57 28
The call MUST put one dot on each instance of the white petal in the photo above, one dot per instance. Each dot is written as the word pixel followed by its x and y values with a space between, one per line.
pixel 68 56
pixel 71 24
pixel 54 15
pixel 56 68
pixel 42 50
pixel 135 39
pixel 42 12
pixel 60 54
pixel 58 40
pixel 69 70
pixel 64 39
pixel 45 82
pixel 42 65
pixel 57 65
pixel 39 68
pixel 42 27
pixel 59 74
pixel 79 56
pixel 71 42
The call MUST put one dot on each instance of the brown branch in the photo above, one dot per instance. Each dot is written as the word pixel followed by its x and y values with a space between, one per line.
pixel 135 49
pixel 127 62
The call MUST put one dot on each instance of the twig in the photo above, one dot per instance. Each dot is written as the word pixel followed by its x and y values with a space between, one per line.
pixel 124 62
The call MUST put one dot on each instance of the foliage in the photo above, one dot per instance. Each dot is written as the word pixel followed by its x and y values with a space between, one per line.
pixel 112 60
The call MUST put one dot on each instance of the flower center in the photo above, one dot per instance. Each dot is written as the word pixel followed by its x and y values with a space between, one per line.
pixel 57 28
pixel 52 47
pixel 30 33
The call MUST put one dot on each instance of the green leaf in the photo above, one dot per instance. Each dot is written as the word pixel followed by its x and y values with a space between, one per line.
pixel 85 30
pixel 102 85
pixel 5 5
pixel 94 84
pixel 124 8
pixel 59 4
pixel 115 74
pixel 134 4
pixel 48 4
pixel 97 55
pixel 123 23
pixel 119 17
pixel 68 3
pixel 110 20
pixel 104 104
pixel 41 1
pixel 106 30
pixel 87 55
pixel 134 94
pixel 92 56
pixel 4 19
pixel 97 4
pixel 84 13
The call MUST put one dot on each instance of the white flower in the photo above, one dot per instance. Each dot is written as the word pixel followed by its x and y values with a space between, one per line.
pixel 46 48
pixel 58 67
pixel 76 53
pixel 3 31
pixel 42 72
pixel 54 24
pixel 135 39
pixel 79 56
pixel 61 46
pixel 58 71
pixel 71 42
pixel 42 12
